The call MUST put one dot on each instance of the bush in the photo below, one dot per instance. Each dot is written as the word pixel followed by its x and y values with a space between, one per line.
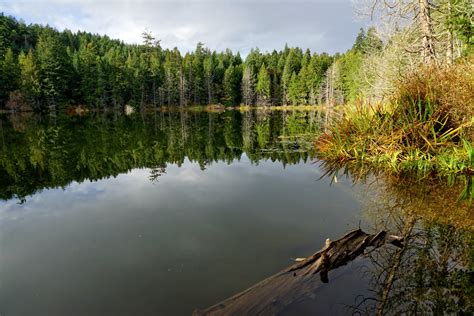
pixel 444 95
pixel 427 127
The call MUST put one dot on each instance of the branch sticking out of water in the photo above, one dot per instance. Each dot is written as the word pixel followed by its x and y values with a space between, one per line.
pixel 298 281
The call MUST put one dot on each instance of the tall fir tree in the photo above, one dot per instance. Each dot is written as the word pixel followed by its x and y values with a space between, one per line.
pixel 263 87
pixel 29 80
pixel 55 68
pixel 10 74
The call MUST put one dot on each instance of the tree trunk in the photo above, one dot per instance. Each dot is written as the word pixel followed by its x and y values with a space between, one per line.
pixel 428 51
pixel 299 281
pixel 450 48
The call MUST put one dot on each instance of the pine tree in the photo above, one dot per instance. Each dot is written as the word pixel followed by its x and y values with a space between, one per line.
pixel 87 70
pixel 208 65
pixel 296 90
pixel 172 68
pixel 10 74
pixel 292 65
pixel 29 81
pixel 198 74
pixel 231 85
pixel 156 71
pixel 6 25
pixel 263 86
pixel 54 68
pixel 219 78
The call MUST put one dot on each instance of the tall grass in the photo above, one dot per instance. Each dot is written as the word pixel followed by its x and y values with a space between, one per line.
pixel 425 128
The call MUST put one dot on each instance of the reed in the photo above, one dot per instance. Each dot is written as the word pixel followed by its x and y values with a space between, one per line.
pixel 425 128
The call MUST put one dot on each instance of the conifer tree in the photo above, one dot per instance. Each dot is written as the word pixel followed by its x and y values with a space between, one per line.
pixel 208 65
pixel 54 68
pixel 10 73
pixel 231 85
pixel 29 81
pixel 263 87
pixel 292 64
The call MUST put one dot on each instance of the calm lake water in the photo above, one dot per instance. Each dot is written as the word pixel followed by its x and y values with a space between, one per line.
pixel 163 213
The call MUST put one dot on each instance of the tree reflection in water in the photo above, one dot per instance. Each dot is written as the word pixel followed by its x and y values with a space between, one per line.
pixel 433 272
pixel 38 152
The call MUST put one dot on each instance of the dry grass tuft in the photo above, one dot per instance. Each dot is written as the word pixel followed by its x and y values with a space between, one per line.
pixel 426 128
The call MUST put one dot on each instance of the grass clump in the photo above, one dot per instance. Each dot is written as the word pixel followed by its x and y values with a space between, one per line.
pixel 425 128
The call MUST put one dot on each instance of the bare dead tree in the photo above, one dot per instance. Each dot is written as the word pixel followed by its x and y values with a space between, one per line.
pixel 248 86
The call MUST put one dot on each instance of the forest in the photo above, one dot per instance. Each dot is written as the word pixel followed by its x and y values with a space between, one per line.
pixel 129 169
pixel 43 68
pixel 46 69
pixel 405 86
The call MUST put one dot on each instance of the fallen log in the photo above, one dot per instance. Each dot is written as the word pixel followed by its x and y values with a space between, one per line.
pixel 298 281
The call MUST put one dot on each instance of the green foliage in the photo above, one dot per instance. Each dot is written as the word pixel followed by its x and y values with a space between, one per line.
pixel 292 65
pixel 297 90
pixel 98 72
pixel 367 42
pixel 316 72
pixel 54 67
pixel 38 154
pixel 460 21
pixel 29 80
pixel 87 69
pixel 350 80
pixel 263 86
pixel 10 74
pixel 232 81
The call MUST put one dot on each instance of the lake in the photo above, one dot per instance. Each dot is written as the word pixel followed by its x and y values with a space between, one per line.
pixel 165 212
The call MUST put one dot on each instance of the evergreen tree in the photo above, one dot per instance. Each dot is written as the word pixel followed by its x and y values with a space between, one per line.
pixel 294 89
pixel 231 85
pixel 219 78
pixel 360 42
pixel 10 74
pixel 263 86
pixel 209 76
pixel 29 81
pixel 54 68
pixel 87 70
pixel 5 34
pixel 199 92
pixel 292 65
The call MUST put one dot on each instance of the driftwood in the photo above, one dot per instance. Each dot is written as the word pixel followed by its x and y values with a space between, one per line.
pixel 298 281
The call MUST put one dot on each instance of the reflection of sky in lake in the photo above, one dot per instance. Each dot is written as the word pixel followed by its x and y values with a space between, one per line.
pixel 188 240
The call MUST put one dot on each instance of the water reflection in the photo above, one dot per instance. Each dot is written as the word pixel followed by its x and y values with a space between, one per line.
pixel 177 211
pixel 41 152
pixel 433 272
pixel 231 199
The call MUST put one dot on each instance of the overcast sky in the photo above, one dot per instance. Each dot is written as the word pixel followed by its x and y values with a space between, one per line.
pixel 321 25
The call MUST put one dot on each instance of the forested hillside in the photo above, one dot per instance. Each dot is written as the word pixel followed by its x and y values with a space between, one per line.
pixel 48 68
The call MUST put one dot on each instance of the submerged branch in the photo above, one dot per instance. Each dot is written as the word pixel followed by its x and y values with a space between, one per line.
pixel 298 282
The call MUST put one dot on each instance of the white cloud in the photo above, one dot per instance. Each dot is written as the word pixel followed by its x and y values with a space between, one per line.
pixel 240 25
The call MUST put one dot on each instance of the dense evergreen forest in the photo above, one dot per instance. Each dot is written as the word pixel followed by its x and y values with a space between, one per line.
pixel 43 68
pixel 46 69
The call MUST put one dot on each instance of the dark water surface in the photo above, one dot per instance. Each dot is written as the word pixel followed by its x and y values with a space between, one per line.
pixel 163 213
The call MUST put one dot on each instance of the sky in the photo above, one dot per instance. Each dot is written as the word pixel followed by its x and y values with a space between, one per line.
pixel 320 25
